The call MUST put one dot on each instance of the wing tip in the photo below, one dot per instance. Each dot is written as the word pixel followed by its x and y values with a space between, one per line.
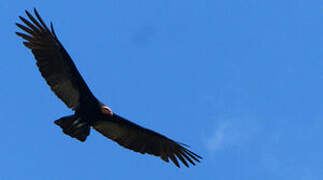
pixel 27 12
pixel 188 155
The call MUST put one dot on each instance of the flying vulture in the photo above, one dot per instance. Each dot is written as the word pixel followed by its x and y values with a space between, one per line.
pixel 61 74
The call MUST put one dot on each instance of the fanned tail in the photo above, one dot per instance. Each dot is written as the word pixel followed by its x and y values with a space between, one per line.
pixel 74 127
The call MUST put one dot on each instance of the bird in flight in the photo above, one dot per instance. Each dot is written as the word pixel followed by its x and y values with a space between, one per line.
pixel 61 74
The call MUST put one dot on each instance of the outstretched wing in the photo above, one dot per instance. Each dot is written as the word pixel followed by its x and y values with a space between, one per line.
pixel 139 139
pixel 54 63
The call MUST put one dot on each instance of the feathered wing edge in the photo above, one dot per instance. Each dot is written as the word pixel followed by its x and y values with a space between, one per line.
pixel 53 61
pixel 142 140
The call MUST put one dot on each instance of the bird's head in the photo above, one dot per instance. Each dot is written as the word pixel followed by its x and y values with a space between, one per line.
pixel 106 110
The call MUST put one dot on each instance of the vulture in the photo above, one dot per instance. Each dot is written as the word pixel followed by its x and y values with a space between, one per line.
pixel 61 74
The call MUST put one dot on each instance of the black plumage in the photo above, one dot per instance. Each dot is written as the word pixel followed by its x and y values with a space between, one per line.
pixel 61 74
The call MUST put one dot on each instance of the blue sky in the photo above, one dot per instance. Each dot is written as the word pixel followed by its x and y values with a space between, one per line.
pixel 241 82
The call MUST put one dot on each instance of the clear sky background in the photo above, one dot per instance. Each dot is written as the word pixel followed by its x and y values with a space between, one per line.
pixel 240 81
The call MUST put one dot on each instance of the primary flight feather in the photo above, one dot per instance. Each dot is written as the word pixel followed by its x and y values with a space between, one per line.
pixel 61 74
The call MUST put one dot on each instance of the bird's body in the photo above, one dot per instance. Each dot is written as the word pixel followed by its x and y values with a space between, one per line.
pixel 60 73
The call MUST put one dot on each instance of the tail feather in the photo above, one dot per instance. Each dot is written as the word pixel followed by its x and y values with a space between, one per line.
pixel 74 127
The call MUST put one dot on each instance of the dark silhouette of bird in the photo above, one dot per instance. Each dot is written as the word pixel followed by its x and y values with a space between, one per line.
pixel 61 74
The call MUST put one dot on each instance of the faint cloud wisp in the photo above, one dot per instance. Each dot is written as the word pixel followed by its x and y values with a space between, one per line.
pixel 234 133
pixel 215 142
